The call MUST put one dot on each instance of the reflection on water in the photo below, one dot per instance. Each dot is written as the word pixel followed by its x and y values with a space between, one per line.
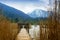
pixel 34 32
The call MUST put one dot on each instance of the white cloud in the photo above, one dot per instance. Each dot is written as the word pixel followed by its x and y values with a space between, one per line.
pixel 44 1
pixel 27 7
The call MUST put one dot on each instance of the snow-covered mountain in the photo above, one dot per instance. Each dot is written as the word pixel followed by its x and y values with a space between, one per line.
pixel 39 13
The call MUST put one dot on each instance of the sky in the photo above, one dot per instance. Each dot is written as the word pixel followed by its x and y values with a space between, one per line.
pixel 29 5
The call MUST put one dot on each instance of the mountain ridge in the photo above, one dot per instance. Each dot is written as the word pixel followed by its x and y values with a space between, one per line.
pixel 13 13
pixel 39 13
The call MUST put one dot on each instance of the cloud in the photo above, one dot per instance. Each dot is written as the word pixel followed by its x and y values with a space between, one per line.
pixel 28 6
pixel 20 0
pixel 44 1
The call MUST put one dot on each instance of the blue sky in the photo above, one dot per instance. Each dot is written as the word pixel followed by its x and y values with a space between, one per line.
pixel 28 5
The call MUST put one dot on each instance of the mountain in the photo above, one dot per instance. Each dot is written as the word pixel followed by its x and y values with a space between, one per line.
pixel 12 13
pixel 15 15
pixel 38 13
